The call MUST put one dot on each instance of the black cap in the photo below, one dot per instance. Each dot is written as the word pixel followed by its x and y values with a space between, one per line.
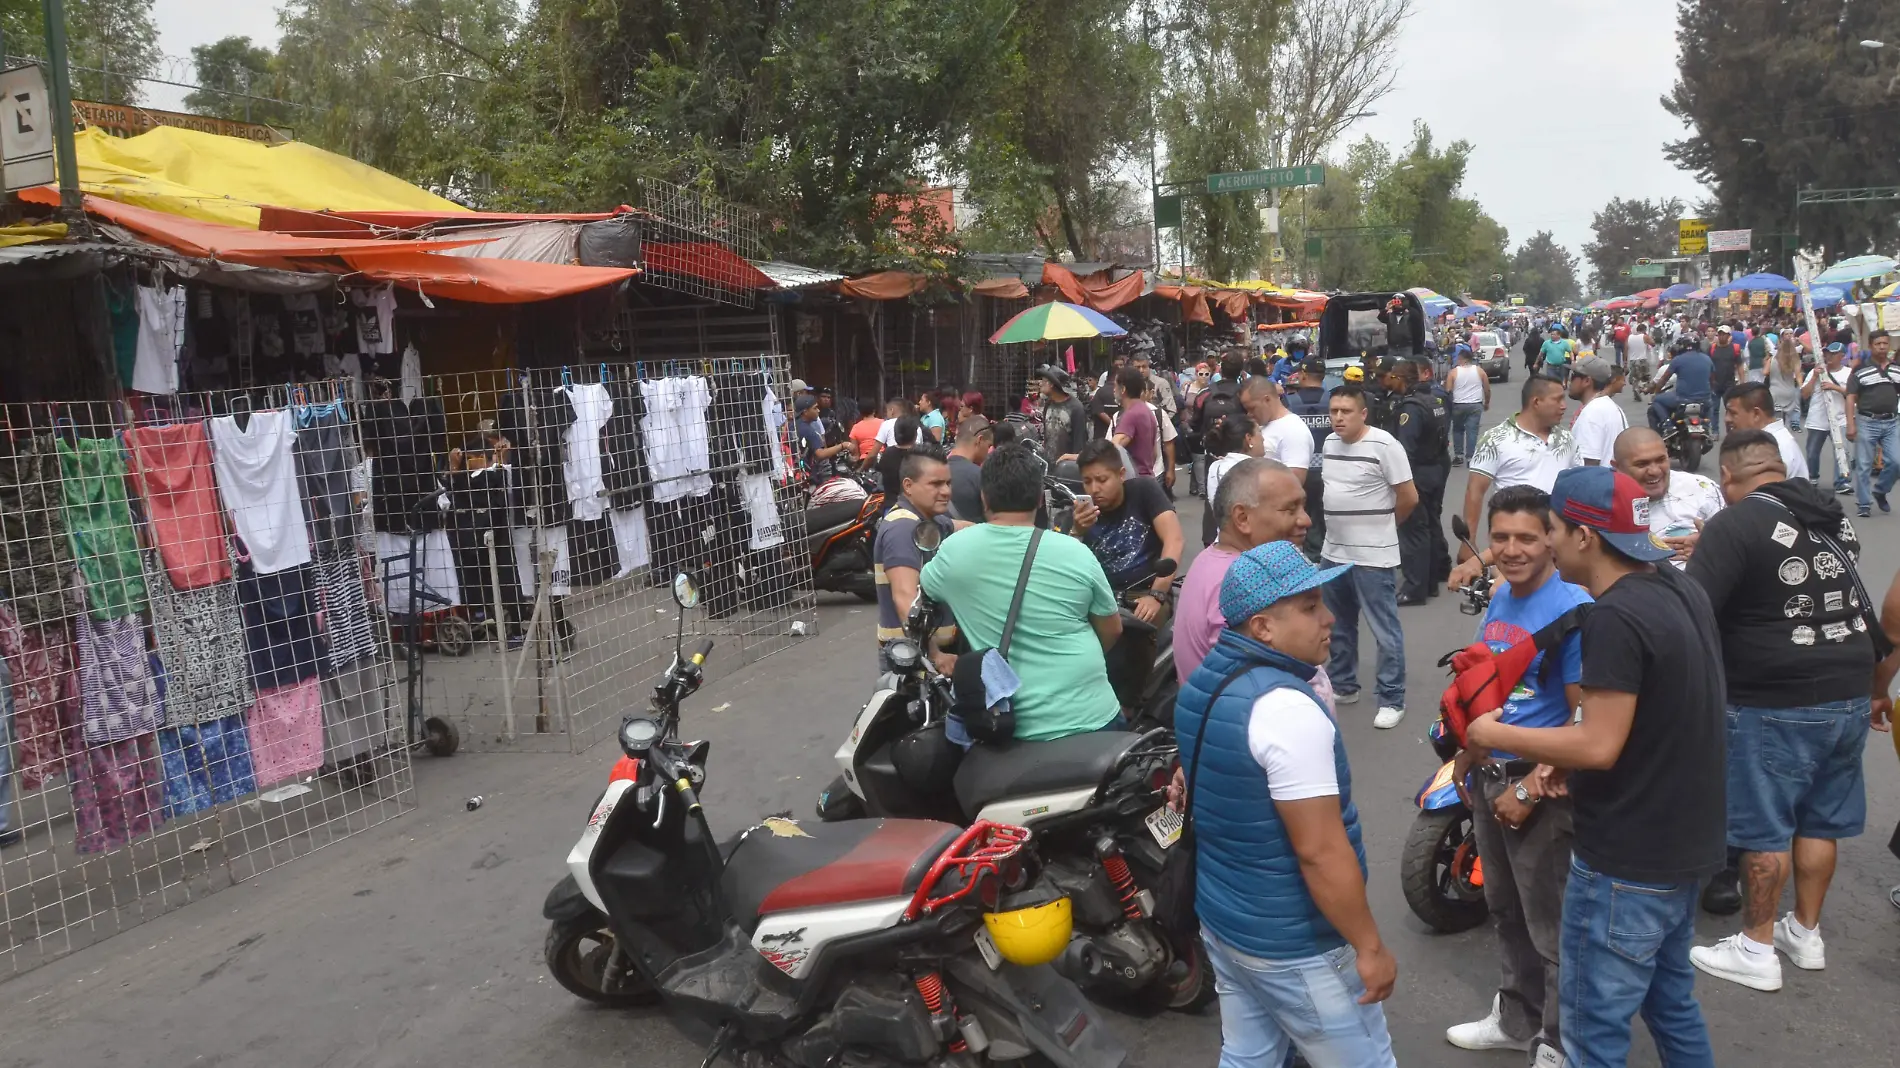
pixel 1054 375
pixel 1313 366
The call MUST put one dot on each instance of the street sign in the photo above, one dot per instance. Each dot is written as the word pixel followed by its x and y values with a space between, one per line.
pixel 1650 270
pixel 1315 247
pixel 1168 211
pixel 1270 220
pixel 1692 237
pixel 1279 254
pixel 1730 240
pixel 26 129
pixel 1271 178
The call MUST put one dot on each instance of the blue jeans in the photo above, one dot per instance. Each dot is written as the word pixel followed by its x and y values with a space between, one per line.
pixel 1626 950
pixel 1375 591
pixel 1819 445
pixel 1871 433
pixel 1663 408
pixel 1466 422
pixel 1268 1007
pixel 1796 773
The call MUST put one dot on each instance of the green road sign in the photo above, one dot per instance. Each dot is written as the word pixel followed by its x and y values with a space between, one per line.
pixel 1167 211
pixel 1315 247
pixel 1271 178
pixel 1650 270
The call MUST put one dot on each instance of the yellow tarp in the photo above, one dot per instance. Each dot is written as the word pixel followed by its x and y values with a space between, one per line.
pixel 224 179
pixel 30 233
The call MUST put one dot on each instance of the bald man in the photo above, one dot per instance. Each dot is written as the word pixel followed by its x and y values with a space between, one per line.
pixel 1679 501
pixel 1259 501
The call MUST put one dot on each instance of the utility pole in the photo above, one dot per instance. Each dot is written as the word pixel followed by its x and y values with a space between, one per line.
pixel 71 202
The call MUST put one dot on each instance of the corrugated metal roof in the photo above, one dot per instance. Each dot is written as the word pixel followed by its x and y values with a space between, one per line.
pixel 48 250
pixel 792 276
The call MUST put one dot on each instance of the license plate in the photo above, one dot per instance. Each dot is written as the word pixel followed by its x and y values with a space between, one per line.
pixel 987 946
pixel 1165 824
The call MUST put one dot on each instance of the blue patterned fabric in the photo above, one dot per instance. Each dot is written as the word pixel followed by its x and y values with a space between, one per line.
pixel 205 764
pixel 1266 574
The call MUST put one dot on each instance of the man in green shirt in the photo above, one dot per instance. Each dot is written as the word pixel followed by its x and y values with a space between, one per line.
pixel 1068 619
pixel 1557 352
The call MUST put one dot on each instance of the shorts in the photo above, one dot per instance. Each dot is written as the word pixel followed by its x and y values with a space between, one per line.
pixel 1796 773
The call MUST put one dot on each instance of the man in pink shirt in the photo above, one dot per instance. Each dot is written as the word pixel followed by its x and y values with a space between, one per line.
pixel 1136 428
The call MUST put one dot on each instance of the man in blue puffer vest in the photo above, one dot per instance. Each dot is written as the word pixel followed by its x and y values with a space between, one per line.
pixel 1281 889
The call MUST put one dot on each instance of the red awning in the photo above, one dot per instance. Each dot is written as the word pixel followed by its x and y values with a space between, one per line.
pixel 486 281
pixel 709 260
pixel 1095 290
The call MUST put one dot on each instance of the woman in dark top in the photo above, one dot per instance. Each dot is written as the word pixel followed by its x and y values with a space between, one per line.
pixel 891 461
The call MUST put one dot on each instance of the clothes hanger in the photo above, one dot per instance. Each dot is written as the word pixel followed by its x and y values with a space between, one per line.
pixel 241 416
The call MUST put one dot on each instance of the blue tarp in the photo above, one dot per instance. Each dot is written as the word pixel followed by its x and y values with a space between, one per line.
pixel 1755 283
pixel 1677 291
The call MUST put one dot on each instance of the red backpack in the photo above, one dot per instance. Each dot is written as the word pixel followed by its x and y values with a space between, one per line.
pixel 1482 678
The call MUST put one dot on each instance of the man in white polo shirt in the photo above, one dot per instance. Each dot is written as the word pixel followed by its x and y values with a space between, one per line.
pixel 1601 419
pixel 1751 406
pixel 1528 449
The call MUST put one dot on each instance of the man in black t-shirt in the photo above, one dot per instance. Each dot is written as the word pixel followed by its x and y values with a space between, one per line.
pixel 1779 568
pixel 1065 422
pixel 1134 526
pixel 1648 751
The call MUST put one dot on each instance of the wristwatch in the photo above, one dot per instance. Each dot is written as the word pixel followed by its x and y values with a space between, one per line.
pixel 1523 795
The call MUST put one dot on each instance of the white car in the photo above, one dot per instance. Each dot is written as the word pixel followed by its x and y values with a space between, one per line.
pixel 1488 350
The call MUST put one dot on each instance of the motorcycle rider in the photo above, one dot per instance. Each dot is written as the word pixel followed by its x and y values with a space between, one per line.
pixel 1691 369
pixel 1132 525
pixel 895 559
pixel 1068 618
pixel 1422 423
pixel 1520 816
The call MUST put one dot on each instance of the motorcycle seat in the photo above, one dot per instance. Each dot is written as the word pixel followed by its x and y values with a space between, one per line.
pixel 819 864
pixel 825 517
pixel 1020 769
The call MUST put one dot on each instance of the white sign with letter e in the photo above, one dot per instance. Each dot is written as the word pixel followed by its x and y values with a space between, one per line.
pixel 26 128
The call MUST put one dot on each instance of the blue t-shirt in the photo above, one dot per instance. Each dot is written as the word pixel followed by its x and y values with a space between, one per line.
pixel 1692 370
pixel 932 420
pixel 1556 352
pixel 1538 700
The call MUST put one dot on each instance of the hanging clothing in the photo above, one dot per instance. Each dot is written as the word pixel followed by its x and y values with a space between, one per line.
pixel 629 482
pixel 343 607
pixel 118 793
pixel 326 455
pixel 155 358
pixel 99 524
pixel 257 478
pixel 675 435
pixel 306 323
pixel 280 627
pixel 205 669
pixel 41 663
pixel 595 552
pixel 411 442
pixel 411 373
pixel 762 508
pixel 375 318
pixel 774 415
pixel 119 697
pixel 35 553
pixel 528 542
pixel 355 711
pixel 171 472
pixel 630 538
pixel 536 420
pixel 740 438
pixel 431 560
pixel 286 732
pixel 204 764
pixel 122 315
pixel 586 486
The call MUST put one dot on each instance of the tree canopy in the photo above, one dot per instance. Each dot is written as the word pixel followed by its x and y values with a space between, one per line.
pixel 1544 271
pixel 1625 231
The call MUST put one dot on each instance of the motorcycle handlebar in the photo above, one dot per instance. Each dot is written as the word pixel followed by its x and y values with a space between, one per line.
pixel 705 650
pixel 674 773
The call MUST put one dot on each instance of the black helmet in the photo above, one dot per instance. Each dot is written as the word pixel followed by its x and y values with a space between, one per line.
pixel 1684 343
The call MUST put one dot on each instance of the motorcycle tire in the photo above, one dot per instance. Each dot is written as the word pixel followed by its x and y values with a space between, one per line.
pixel 1427 871
pixel 1691 454
pixel 1192 994
pixel 577 952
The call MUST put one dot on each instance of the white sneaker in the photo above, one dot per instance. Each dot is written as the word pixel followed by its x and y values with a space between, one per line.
pixel 1388 718
pixel 1346 698
pixel 1487 1033
pixel 1807 953
pixel 1549 1056
pixel 1728 960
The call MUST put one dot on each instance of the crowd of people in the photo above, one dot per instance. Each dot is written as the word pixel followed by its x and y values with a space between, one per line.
pixel 1709 661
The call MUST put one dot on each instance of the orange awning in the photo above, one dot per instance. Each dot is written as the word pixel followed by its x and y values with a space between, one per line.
pixel 1094 291
pixel 1005 287
pixel 1193 302
pixel 297 221
pixel 486 281
pixel 884 285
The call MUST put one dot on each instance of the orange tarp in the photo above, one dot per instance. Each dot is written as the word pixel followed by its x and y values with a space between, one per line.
pixel 486 281
pixel 1094 291
pixel 1193 302
pixel 299 221
pixel 1233 302
pixel 1007 287
pixel 884 285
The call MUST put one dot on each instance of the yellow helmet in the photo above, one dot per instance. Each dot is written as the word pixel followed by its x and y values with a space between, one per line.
pixel 1036 934
pixel 1355 374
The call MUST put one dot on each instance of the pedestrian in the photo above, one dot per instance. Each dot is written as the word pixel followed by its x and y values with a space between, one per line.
pixel 1527 449
pixel 925 498
pixel 1369 491
pixel 1784 381
pixel 930 417
pixel 1107 400
pixel 1264 501
pixel 1520 817
pixel 864 432
pixel 1779 569
pixel 1232 440
pixel 1751 406
pixel 1136 428
pixel 906 431
pixel 820 459
pixel 1680 502
pixel 974 440
pixel 1280 862
pixel 1065 422
pixel 1310 399
pixel 1726 360
pixel 1759 346
pixel 1470 399
pixel 1556 351
pixel 1600 419
pixel 1283 435
pixel 1646 760
pixel 1872 392
pixel 1422 426
pixel 1636 351
pixel 1826 393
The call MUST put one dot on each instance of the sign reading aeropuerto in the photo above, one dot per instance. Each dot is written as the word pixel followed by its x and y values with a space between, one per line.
pixel 121 120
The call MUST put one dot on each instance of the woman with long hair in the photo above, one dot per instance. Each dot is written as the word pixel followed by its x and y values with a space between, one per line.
pixel 1231 439
pixel 1784 380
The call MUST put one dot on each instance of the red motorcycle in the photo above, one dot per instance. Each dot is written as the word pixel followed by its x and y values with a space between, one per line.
pixel 840 527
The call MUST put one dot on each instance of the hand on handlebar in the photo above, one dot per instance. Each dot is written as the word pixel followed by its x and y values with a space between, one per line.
pixel 1467 572
pixel 1148 608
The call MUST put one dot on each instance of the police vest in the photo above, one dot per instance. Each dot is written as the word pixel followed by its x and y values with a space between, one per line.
pixel 1310 404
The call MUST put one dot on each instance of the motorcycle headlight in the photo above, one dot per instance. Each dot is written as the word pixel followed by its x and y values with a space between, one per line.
pixel 904 654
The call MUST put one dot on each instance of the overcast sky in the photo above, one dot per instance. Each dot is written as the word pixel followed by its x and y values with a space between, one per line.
pixel 1558 97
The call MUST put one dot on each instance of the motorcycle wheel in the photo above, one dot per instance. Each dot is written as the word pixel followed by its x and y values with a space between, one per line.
pixel 1435 871
pixel 1194 992
pixel 1691 454
pixel 577 953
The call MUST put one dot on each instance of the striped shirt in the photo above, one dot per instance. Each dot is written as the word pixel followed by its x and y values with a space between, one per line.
pixel 1362 480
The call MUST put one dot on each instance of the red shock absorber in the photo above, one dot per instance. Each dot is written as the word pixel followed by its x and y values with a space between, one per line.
pixel 930 985
pixel 1124 881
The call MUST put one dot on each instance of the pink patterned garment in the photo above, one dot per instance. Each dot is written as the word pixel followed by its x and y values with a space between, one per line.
pixel 286 726
pixel 118 793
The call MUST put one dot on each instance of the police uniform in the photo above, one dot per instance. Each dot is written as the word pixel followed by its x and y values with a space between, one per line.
pixel 1422 423
pixel 1310 404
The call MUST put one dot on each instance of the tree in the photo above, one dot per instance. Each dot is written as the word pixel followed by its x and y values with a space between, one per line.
pixel 1337 59
pixel 110 44
pixel 1780 97
pixel 1544 271
pixel 231 72
pixel 1628 230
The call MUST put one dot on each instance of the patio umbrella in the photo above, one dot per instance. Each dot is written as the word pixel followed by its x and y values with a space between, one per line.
pixel 1889 292
pixel 1679 291
pixel 1647 294
pixel 1468 311
pixel 1856 269
pixel 1827 296
pixel 1763 282
pixel 1053 321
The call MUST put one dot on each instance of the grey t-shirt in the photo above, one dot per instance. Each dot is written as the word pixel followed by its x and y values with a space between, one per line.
pixel 1065 428
pixel 966 490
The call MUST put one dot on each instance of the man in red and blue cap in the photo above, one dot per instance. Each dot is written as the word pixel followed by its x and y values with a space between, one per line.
pixel 1648 760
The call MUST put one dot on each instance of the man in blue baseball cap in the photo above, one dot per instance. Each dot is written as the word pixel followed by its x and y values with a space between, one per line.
pixel 1281 886
pixel 1649 758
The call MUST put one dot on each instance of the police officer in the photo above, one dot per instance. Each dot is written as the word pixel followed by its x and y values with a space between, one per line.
pixel 1308 400
pixel 1422 423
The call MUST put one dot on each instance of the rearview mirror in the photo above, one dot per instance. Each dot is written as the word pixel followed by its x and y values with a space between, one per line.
pixel 685 591
pixel 1165 567
pixel 927 536
pixel 1458 528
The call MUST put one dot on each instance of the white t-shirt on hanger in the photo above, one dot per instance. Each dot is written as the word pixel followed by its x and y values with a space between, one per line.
pixel 586 486
pixel 257 479
pixel 155 359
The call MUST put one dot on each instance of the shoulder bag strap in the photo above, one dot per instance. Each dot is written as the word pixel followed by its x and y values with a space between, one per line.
pixel 1194 764
pixel 1016 603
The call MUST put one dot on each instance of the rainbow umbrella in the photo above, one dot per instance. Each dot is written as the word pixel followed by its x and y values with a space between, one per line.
pixel 1053 321
pixel 1889 293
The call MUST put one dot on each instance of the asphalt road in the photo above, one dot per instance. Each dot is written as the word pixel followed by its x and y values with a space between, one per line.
pixel 419 942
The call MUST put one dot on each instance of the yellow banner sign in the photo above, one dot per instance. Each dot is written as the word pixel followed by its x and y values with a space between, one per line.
pixel 121 120
pixel 1692 237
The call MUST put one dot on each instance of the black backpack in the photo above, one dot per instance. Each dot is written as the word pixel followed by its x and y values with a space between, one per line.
pixel 1222 398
